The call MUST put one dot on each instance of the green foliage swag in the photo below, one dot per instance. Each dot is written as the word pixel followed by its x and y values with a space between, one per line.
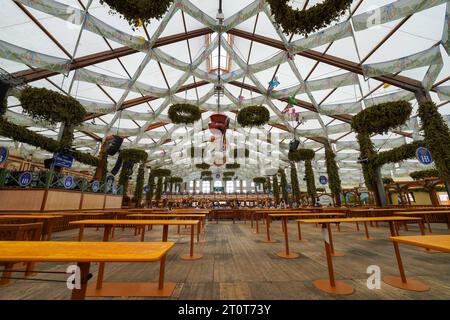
pixel 184 113
pixel 161 172
pixel 310 180
pixel 229 174
pixel 306 21
pixel 134 155
pixel 283 185
pixel 232 166
pixel 206 178
pixel 176 179
pixel 51 106
pixel 419 175
pixel 259 180
pixel 253 116
pixel 139 184
pixel 137 12
pixel 294 182
pixel 334 181
pixel 227 178
pixel 206 173
pixel 203 166
pixel 320 189
pixel 301 155
pixel 387 180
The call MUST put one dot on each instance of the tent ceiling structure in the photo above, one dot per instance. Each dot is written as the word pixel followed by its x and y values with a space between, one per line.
pixel 127 79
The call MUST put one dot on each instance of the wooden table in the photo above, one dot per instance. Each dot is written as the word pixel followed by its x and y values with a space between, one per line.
pixel 87 252
pixel 264 213
pixel 438 243
pixel 48 220
pixel 201 217
pixel 331 285
pixel 285 216
pixel 425 215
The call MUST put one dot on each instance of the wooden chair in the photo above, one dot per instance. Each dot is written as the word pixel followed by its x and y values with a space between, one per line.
pixel 18 232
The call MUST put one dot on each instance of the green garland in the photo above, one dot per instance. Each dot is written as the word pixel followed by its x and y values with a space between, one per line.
pixel 420 175
pixel 183 113
pixel 382 117
pixel 206 178
pixel 320 189
pixel 176 179
pixel 139 184
pixel 229 174
pixel 151 187
pixel 123 180
pixel 134 155
pixel 268 185
pixel 310 180
pixel 203 166
pixel 227 178
pixel 159 188
pixel 161 172
pixel 137 12
pixel 283 185
pixel 276 189
pixel 387 180
pixel 232 166
pixel 47 105
pixel 306 21
pixel 253 116
pixel 406 151
pixel 294 182
pixel 206 173
pixel 301 155
pixel 367 151
pixel 437 137
pixel 334 181
pixel 259 180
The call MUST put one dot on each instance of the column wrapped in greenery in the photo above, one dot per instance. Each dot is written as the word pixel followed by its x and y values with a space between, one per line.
pixel 259 181
pixel 159 189
pixel 276 189
pixel 139 185
pixel 295 185
pixel 268 185
pixel 437 137
pixel 310 180
pixel 123 180
pixel 151 188
pixel 129 158
pixel 284 186
pixel 334 181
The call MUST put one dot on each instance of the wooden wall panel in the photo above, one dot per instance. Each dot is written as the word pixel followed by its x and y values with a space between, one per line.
pixel 113 202
pixel 21 200
pixel 62 200
pixel 92 201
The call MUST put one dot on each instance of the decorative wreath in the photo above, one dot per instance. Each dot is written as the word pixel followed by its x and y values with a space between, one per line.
pixel 228 174
pixel 203 166
pixel 136 12
pixel 253 116
pixel 301 155
pixel 51 106
pixel 260 180
pixel 133 155
pixel 161 172
pixel 382 117
pixel 310 20
pixel 232 166
pixel 184 113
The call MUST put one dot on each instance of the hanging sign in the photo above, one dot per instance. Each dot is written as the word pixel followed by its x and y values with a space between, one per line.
pixel 323 180
pixel 68 182
pixel 424 156
pixel 25 179
pixel 3 155
pixel 95 186
pixel 63 160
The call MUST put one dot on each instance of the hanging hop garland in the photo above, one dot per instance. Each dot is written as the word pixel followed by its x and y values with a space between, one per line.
pixel 206 173
pixel 310 20
pixel 47 105
pixel 176 180
pixel 134 155
pixel 226 178
pixel 259 180
pixel 387 180
pixel 294 182
pixel 276 189
pixel 137 12
pixel 334 181
pixel 253 116
pixel 184 113
pixel 232 166
pixel 283 185
pixel 228 174
pixel 161 172
pixel 203 166
pixel 301 155
pixel 419 175
pixel 139 184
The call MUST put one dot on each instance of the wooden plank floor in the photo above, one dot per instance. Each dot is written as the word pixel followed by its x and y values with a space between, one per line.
pixel 237 265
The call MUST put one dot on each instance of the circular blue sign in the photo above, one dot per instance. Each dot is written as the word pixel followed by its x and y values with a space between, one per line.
pixel 68 182
pixel 95 186
pixel 424 156
pixel 115 189
pixel 3 154
pixel 323 180
pixel 146 189
pixel 25 179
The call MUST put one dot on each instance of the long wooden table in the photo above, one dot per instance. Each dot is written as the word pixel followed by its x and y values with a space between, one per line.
pixel 435 242
pixel 86 253
pixel 425 215
pixel 48 221
pixel 285 216
pixel 331 285
pixel 256 215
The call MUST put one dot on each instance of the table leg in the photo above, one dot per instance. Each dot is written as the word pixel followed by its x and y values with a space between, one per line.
pixel 268 222
pixel 448 221
pixel 402 282
pixel 357 226
pixel 330 237
pixel 101 267
pixel 366 230
pixel 286 254
pixel 199 228
pixel 331 285
pixel 191 255
pixel 49 229
pixel 300 233
pixel 427 220
pixel 257 224
pixel 338 225
pixel 80 233
pixel 143 234
pixel 80 294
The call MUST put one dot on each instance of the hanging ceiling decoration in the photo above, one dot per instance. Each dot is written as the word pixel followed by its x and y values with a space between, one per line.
pixel 253 116
pixel 310 20
pixel 138 12
pixel 184 113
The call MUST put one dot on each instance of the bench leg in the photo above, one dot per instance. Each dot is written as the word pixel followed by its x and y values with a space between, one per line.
pixel 6 274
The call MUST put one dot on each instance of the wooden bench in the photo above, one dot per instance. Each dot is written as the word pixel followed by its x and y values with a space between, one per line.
pixel 48 221
pixel 87 252
pixel 426 215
